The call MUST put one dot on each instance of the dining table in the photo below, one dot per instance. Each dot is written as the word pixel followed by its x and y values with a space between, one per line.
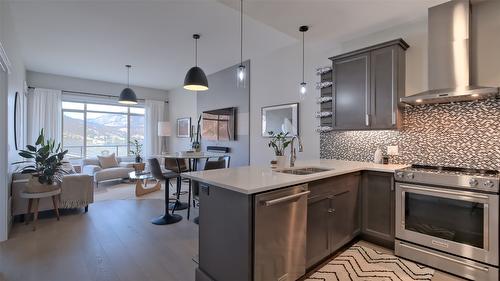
pixel 193 159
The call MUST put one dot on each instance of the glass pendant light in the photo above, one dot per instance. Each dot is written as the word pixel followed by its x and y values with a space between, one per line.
pixel 195 79
pixel 241 72
pixel 303 84
pixel 127 96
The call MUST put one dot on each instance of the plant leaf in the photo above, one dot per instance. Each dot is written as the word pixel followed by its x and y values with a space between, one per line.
pixel 26 155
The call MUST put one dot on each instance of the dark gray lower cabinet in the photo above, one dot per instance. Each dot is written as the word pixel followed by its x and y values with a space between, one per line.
pixel 333 215
pixel 318 229
pixel 378 208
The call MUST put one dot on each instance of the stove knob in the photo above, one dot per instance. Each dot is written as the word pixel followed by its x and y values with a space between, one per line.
pixel 473 182
pixel 400 175
pixel 410 176
pixel 488 184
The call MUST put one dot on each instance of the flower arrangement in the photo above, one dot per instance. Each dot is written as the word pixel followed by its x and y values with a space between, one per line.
pixel 196 137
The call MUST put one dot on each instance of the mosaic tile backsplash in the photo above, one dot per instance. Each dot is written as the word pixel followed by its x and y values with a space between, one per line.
pixel 458 134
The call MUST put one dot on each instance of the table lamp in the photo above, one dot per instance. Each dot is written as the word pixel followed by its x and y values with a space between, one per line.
pixel 164 130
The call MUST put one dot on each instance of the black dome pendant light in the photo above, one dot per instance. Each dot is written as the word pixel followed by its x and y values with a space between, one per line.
pixel 196 80
pixel 303 84
pixel 127 96
pixel 241 71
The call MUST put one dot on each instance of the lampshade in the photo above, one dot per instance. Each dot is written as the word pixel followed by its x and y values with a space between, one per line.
pixel 127 96
pixel 196 80
pixel 164 129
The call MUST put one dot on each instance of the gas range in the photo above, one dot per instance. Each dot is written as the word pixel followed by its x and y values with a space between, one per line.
pixel 471 179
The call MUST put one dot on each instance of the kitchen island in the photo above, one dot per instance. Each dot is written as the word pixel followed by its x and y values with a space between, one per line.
pixel 260 224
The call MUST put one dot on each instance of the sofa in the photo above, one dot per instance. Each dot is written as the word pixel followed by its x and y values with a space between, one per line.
pixel 76 192
pixel 94 168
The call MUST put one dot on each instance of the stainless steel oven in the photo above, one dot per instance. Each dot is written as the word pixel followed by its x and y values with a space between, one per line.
pixel 462 223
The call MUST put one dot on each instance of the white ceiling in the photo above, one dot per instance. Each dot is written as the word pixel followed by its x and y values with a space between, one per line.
pixel 95 39
pixel 333 19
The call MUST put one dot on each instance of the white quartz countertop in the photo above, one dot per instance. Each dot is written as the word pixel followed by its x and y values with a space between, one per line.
pixel 255 179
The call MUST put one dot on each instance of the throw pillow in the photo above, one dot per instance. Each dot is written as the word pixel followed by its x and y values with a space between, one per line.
pixel 108 161
pixel 66 166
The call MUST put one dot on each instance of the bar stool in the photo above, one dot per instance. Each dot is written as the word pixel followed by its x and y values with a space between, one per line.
pixel 159 175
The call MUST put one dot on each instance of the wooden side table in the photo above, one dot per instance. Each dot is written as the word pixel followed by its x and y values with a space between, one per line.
pixel 139 167
pixel 34 199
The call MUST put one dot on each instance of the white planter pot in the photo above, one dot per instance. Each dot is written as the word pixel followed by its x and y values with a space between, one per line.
pixel 281 161
pixel 34 186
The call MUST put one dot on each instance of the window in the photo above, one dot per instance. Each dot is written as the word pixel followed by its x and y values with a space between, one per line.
pixel 91 129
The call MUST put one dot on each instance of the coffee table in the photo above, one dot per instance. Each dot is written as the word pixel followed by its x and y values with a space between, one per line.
pixel 141 182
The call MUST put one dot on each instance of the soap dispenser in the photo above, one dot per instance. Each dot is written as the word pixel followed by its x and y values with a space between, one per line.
pixel 377 158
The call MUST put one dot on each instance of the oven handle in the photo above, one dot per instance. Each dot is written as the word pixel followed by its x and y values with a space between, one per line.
pixel 444 257
pixel 448 192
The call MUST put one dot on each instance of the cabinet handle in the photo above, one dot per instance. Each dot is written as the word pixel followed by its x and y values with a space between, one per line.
pixel 367 111
pixel 285 198
pixel 393 117
pixel 331 210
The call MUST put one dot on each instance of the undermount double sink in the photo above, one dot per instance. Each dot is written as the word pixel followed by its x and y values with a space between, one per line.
pixel 303 171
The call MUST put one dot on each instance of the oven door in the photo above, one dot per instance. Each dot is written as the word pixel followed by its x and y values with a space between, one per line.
pixel 458 222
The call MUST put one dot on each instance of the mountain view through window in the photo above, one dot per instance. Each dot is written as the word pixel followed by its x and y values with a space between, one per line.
pixel 98 129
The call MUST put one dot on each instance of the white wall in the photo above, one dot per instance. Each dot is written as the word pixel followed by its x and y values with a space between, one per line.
pixel 15 84
pixel 182 103
pixel 58 82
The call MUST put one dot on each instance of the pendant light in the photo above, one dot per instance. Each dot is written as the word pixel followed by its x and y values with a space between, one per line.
pixel 241 72
pixel 127 96
pixel 303 84
pixel 196 80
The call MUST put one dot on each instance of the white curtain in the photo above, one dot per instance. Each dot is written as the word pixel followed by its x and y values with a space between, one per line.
pixel 45 112
pixel 155 112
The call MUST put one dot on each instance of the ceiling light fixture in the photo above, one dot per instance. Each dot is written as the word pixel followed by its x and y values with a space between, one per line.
pixel 241 72
pixel 303 84
pixel 127 96
pixel 195 79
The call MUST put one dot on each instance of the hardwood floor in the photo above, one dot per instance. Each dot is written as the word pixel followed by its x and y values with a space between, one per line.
pixel 114 241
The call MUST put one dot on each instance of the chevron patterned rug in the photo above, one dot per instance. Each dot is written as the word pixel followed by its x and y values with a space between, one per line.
pixel 363 263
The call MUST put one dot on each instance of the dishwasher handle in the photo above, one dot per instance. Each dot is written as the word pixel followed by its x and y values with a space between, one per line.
pixel 285 198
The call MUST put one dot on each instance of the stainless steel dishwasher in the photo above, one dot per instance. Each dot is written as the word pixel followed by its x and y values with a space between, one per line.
pixel 280 234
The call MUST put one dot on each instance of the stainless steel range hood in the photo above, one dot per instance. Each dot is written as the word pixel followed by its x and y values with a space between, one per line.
pixel 449 57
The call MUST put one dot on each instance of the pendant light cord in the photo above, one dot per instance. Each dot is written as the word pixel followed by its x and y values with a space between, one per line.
pixel 241 32
pixel 128 75
pixel 196 52
pixel 303 56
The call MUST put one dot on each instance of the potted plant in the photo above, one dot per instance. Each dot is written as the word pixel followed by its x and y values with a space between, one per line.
pixel 136 150
pixel 279 142
pixel 196 137
pixel 46 164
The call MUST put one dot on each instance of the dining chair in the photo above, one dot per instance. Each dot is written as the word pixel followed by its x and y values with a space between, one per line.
pixel 220 163
pixel 158 174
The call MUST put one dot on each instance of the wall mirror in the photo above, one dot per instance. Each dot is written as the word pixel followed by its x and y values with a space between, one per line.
pixel 280 118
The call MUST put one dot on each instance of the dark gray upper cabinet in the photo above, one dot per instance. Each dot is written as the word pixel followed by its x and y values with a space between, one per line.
pixel 367 86
pixel 378 205
pixel 351 92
